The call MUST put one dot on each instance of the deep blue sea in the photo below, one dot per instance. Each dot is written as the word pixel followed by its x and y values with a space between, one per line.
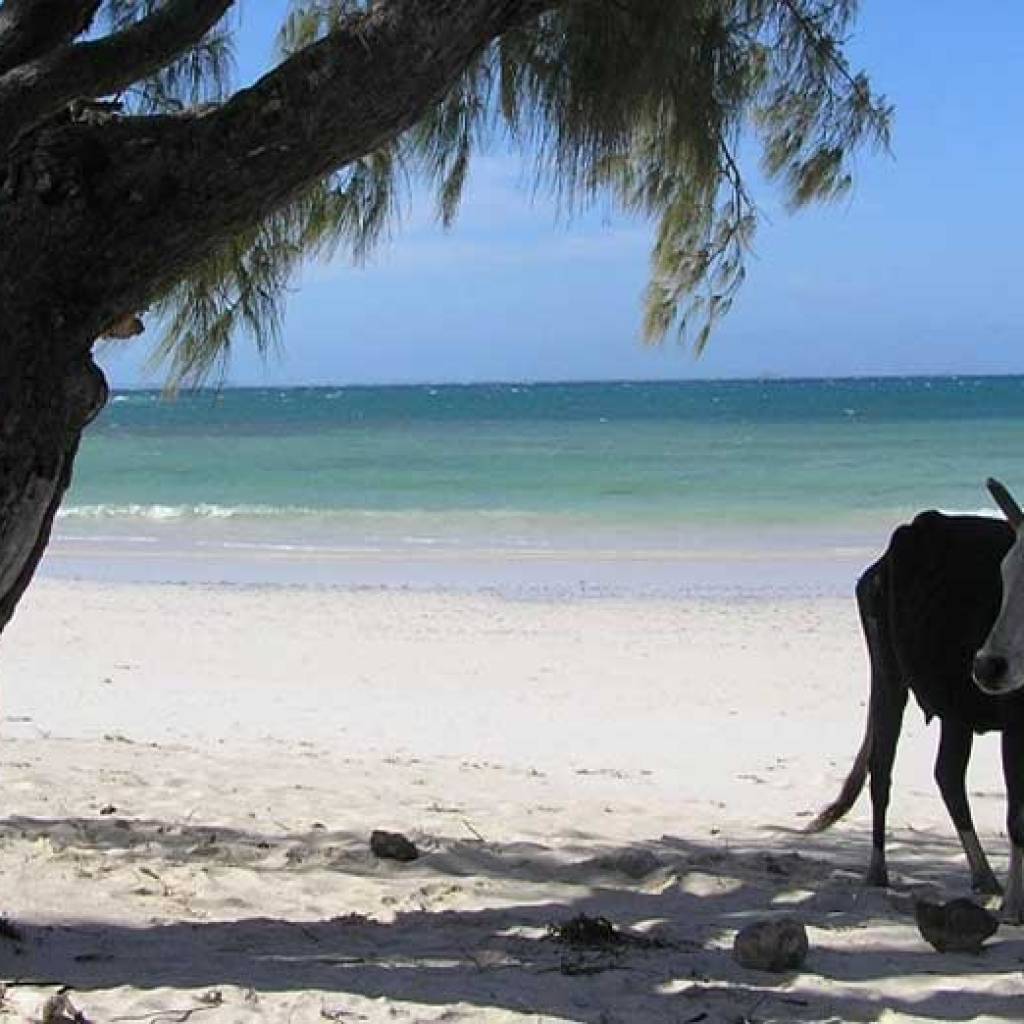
pixel 537 471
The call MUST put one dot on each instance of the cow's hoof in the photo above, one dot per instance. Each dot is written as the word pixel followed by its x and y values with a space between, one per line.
pixel 877 874
pixel 877 877
pixel 986 885
pixel 1012 909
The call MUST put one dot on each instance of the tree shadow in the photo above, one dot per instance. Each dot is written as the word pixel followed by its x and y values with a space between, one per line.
pixel 688 897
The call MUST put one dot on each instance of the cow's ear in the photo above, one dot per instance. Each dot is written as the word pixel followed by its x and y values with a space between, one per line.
pixel 1005 501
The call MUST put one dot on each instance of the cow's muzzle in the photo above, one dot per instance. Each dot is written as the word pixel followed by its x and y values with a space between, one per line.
pixel 990 672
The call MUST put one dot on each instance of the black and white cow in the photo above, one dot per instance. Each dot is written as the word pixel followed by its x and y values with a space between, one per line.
pixel 928 606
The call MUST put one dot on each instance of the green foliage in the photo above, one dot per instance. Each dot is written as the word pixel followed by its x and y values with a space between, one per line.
pixel 199 75
pixel 642 101
pixel 242 287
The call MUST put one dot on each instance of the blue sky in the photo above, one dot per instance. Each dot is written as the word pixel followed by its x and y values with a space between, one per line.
pixel 915 272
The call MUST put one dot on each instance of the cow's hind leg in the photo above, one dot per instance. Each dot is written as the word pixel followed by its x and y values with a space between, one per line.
pixel 1013 768
pixel 950 768
pixel 888 699
pixel 887 718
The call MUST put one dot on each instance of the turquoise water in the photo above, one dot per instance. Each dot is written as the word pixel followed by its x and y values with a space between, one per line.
pixel 616 466
pixel 843 451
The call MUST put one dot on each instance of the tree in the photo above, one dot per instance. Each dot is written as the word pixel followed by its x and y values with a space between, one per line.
pixel 131 179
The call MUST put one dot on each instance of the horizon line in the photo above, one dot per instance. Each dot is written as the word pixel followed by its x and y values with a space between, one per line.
pixel 562 382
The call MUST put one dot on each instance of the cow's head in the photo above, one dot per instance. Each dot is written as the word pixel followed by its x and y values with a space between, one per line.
pixel 999 665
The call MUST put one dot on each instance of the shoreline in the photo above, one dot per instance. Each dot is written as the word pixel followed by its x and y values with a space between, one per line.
pixel 690 563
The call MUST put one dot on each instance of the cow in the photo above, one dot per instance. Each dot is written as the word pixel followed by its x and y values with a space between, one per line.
pixel 927 607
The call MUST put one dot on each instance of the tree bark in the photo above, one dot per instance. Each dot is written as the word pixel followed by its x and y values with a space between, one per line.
pixel 35 88
pixel 31 28
pixel 46 400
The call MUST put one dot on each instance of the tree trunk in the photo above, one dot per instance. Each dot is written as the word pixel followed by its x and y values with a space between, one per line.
pixel 97 216
pixel 46 399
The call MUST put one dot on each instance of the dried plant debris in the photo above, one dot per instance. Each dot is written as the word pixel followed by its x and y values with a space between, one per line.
pixel 583 966
pixel 595 945
pixel 585 932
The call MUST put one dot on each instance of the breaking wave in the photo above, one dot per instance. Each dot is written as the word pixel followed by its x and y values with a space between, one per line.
pixel 170 513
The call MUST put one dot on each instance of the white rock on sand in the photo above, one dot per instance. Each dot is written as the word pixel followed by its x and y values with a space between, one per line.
pixel 191 776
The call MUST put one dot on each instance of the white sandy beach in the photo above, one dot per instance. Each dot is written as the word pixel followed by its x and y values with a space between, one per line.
pixel 191 774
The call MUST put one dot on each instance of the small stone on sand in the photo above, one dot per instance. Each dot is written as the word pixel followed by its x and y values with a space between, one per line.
pixel 776 945
pixel 959 926
pixel 392 846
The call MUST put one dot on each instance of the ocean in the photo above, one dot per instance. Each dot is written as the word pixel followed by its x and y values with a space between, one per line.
pixel 778 486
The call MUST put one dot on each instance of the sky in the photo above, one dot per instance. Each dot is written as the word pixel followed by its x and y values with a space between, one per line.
pixel 915 272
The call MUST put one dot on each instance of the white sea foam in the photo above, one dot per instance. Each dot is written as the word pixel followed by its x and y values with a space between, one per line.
pixel 166 513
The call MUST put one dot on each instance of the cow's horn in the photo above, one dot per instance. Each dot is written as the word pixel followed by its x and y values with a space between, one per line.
pixel 1005 501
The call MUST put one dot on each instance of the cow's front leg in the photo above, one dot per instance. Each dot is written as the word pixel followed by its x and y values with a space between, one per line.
pixel 1013 902
pixel 1013 772
pixel 983 879
pixel 950 770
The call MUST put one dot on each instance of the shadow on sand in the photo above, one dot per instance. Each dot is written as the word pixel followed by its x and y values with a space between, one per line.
pixel 688 895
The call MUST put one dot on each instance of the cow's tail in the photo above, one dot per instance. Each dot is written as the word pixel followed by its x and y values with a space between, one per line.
pixel 851 788
pixel 870 604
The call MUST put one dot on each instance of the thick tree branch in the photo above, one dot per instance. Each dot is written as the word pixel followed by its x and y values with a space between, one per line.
pixel 30 29
pixel 34 90
pixel 140 200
